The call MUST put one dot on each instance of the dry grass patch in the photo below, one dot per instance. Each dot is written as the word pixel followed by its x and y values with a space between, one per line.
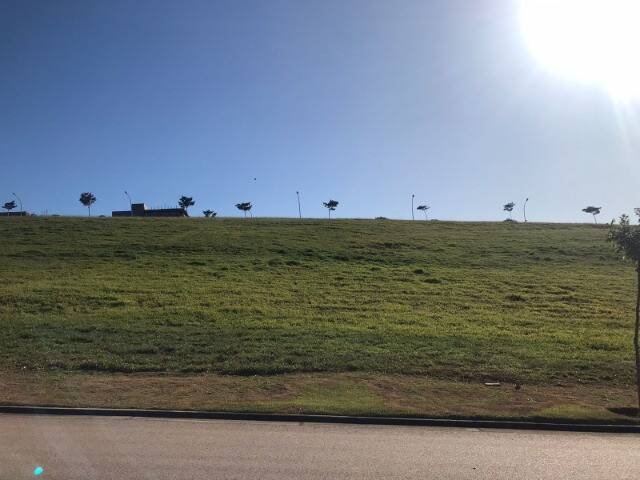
pixel 345 393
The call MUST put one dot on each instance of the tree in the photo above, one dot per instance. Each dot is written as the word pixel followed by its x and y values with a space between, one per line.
pixel 509 208
pixel 209 213
pixel 423 209
pixel 87 199
pixel 8 206
pixel 626 239
pixel 186 202
pixel 593 211
pixel 245 207
pixel 331 205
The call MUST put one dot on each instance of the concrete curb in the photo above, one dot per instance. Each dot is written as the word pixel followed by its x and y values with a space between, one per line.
pixel 273 417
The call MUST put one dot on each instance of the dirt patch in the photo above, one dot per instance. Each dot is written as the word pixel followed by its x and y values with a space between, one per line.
pixel 339 393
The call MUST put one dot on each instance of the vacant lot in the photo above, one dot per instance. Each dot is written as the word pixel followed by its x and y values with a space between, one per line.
pixel 539 304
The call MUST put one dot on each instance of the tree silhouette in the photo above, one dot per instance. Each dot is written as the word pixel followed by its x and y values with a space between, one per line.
pixel 8 206
pixel 87 199
pixel 423 209
pixel 331 206
pixel 245 207
pixel 186 202
pixel 209 213
pixel 593 211
pixel 626 239
pixel 509 208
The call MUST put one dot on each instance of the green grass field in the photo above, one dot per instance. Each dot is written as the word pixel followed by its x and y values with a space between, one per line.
pixel 541 304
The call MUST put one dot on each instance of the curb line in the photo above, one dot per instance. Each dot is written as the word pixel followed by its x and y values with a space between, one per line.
pixel 274 417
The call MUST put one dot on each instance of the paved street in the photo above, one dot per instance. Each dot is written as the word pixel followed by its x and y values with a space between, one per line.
pixel 101 448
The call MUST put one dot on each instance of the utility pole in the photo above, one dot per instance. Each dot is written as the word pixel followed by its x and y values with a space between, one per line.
pixel 19 201
pixel 299 210
pixel 412 215
pixel 130 204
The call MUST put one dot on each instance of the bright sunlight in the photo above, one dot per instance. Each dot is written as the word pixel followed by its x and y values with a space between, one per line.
pixel 590 41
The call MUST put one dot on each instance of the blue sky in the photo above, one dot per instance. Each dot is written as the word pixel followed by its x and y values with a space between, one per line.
pixel 362 101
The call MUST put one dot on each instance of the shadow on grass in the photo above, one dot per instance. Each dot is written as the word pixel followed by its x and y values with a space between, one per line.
pixel 626 411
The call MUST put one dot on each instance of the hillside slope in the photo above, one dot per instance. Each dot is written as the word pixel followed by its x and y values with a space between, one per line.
pixel 534 303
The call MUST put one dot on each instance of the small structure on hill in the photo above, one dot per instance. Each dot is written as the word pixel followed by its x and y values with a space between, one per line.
pixel 141 210
pixel 14 214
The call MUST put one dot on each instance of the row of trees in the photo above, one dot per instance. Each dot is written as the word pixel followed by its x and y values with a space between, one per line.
pixel 88 199
pixel 508 207
pixel 245 207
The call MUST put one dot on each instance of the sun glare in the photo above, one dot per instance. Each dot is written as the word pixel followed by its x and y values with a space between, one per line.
pixel 590 41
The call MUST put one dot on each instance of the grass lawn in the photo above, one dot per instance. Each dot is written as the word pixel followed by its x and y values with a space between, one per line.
pixel 355 301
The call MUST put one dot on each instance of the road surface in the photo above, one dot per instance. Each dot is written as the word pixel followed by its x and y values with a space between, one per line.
pixel 102 448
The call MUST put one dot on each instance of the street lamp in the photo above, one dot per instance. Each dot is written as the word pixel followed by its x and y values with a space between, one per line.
pixel 524 209
pixel 19 201
pixel 299 210
pixel 412 215
pixel 130 204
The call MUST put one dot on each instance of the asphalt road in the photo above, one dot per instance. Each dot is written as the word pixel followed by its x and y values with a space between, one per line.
pixel 92 448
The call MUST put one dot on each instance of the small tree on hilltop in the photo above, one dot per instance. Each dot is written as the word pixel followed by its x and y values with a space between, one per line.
pixel 87 199
pixel 209 213
pixel 8 206
pixel 626 239
pixel 423 209
pixel 593 211
pixel 509 208
pixel 331 206
pixel 186 202
pixel 245 207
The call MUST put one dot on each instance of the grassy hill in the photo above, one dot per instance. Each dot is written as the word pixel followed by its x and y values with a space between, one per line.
pixel 535 303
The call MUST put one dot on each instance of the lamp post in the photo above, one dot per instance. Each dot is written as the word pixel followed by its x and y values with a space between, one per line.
pixel 412 215
pixel 19 201
pixel 299 210
pixel 130 204
pixel 524 209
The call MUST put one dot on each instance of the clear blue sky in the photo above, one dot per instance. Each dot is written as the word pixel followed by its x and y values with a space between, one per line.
pixel 362 101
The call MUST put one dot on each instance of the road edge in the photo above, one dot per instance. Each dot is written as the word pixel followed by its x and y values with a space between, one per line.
pixel 335 419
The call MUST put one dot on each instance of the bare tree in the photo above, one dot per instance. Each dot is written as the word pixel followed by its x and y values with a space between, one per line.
pixel 593 211
pixel 331 206
pixel 87 199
